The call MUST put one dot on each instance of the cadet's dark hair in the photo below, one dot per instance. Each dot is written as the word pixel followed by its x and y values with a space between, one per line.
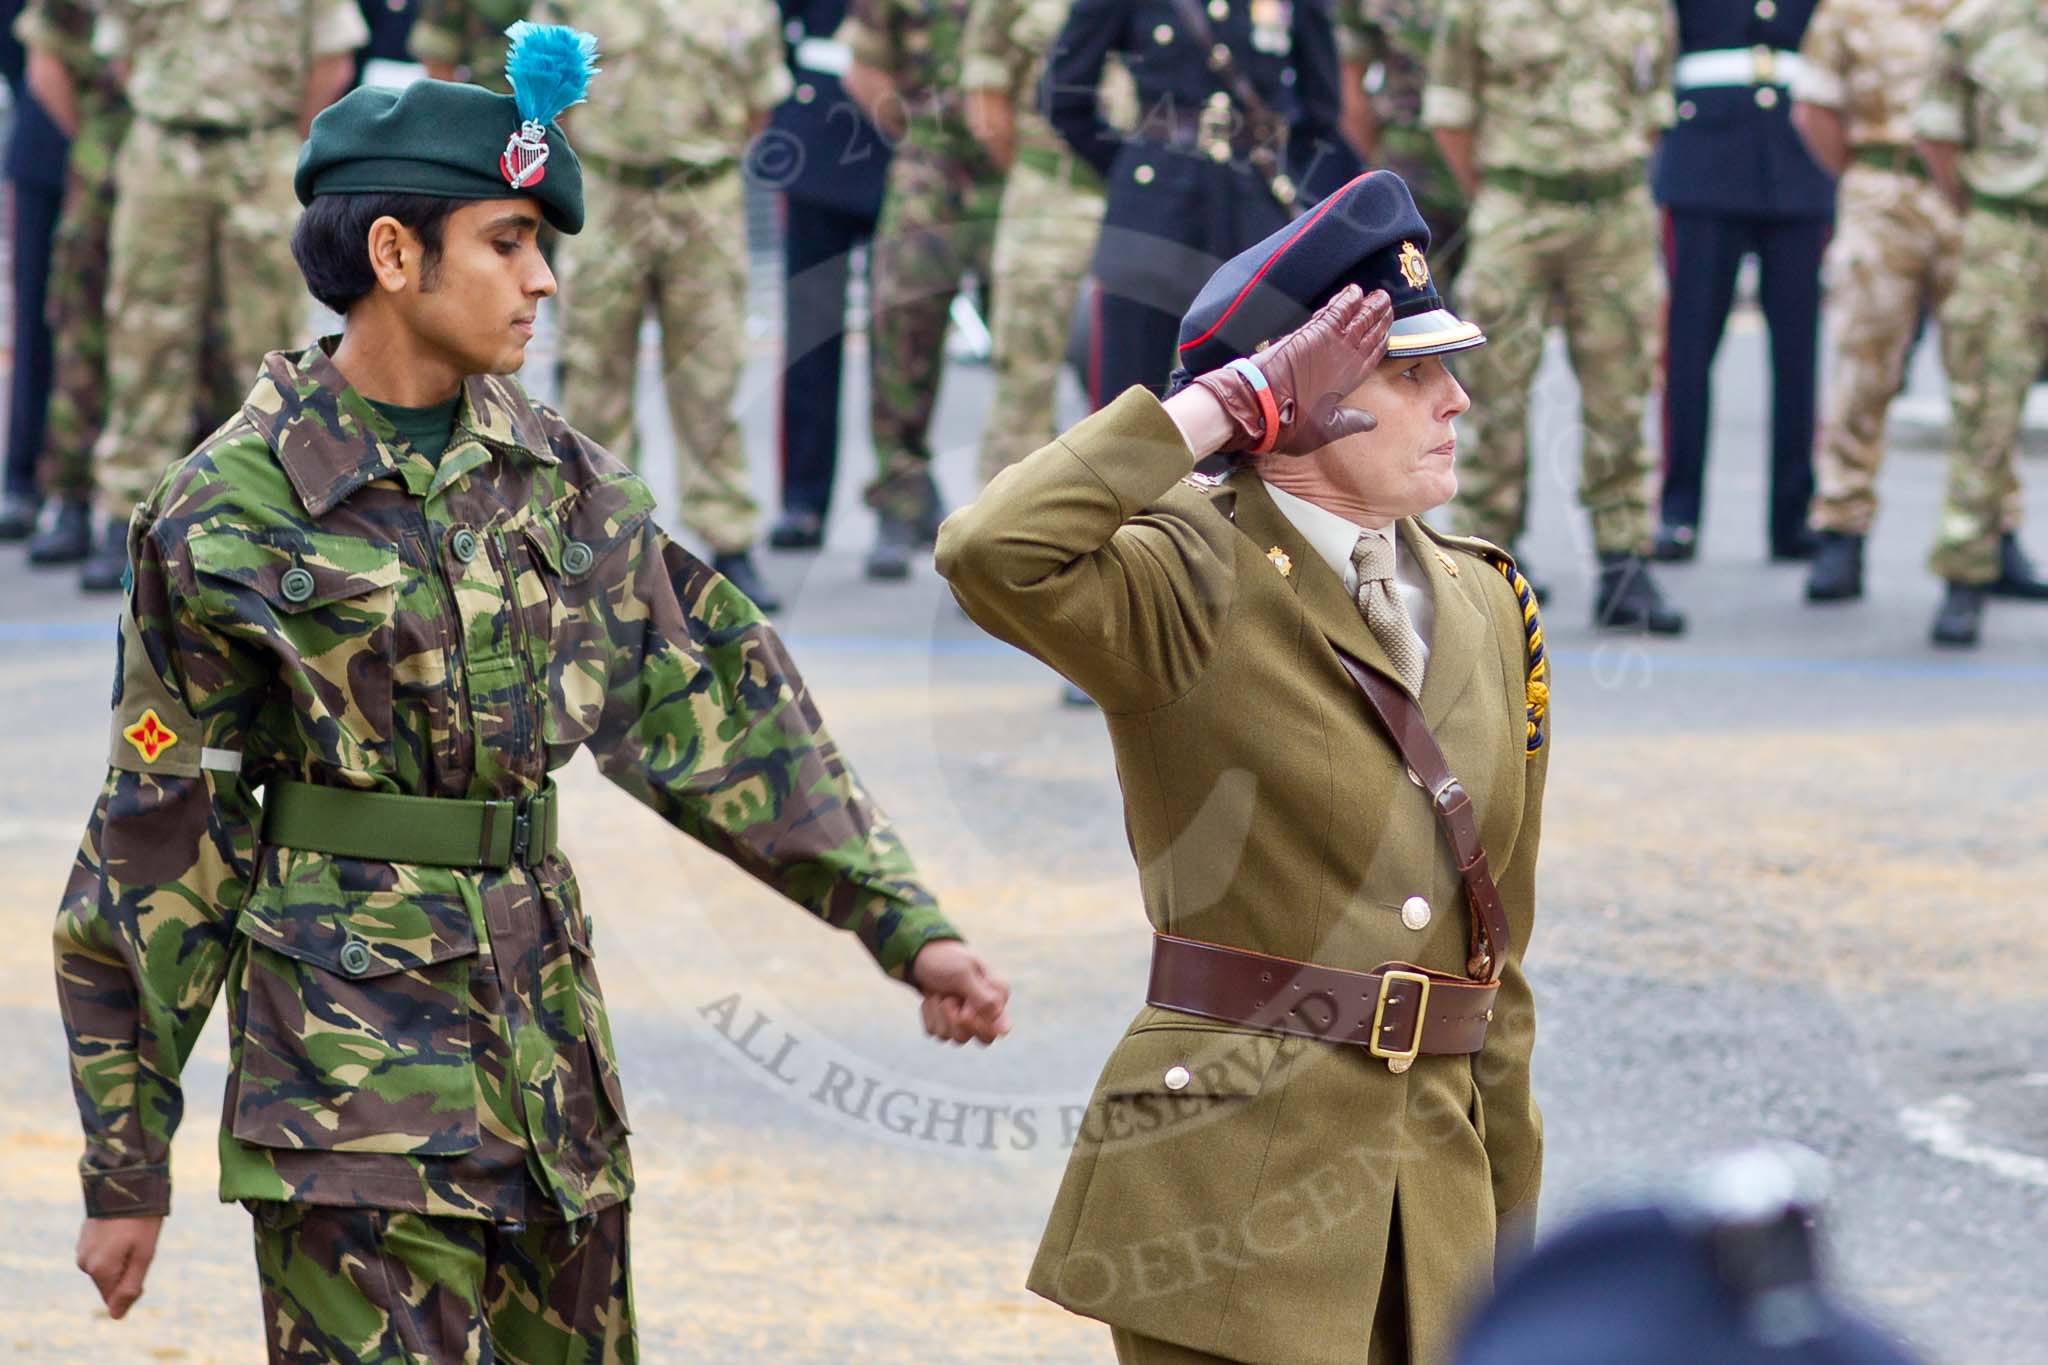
pixel 332 241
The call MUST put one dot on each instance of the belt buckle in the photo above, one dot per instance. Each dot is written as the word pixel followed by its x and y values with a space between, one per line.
pixel 1763 63
pixel 1399 1061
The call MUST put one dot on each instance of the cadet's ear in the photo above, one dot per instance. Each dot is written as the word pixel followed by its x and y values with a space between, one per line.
pixel 394 254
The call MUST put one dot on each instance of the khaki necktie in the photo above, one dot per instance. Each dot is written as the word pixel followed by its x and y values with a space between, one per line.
pixel 1386 615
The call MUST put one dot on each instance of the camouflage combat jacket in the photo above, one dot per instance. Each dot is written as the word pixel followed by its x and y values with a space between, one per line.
pixel 1004 47
pixel 1987 89
pixel 1867 60
pixel 917 44
pixel 466 34
pixel 1395 35
pixel 314 600
pixel 224 62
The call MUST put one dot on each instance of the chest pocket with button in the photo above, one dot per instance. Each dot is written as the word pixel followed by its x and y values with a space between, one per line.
pixel 321 606
pixel 354 1024
pixel 581 568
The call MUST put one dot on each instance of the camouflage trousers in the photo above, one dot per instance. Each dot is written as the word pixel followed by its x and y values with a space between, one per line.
pixel 355 1286
pixel 938 226
pixel 78 308
pixel 1042 249
pixel 680 250
pixel 1597 264
pixel 198 226
pixel 1892 262
pixel 1994 337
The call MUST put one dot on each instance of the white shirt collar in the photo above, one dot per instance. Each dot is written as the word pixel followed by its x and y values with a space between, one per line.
pixel 1332 537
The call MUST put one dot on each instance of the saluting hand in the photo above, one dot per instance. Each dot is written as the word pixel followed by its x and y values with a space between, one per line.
pixel 1309 372
pixel 963 999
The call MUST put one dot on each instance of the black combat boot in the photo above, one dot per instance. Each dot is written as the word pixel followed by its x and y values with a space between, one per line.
pixel 68 537
pixel 17 516
pixel 798 528
pixel 1628 599
pixel 107 565
pixel 1961 618
pixel 1675 544
pixel 1802 544
pixel 737 568
pixel 1837 573
pixel 2016 574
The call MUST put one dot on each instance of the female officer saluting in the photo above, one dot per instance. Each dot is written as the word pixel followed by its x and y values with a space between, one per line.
pixel 1313 1135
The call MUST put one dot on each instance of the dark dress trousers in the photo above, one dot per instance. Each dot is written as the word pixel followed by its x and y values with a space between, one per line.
pixel 1735 180
pixel 829 163
pixel 1175 213
pixel 36 153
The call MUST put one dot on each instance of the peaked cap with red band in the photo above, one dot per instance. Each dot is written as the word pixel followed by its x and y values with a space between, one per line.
pixel 1369 233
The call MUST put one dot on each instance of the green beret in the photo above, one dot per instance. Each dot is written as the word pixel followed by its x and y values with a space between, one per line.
pixel 435 138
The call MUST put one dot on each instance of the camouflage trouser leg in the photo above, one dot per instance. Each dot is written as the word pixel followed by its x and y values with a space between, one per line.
pixel 938 225
pixel 1599 261
pixel 1042 249
pixel 78 310
pixel 1994 332
pixel 1892 258
pixel 683 250
pixel 190 217
pixel 366 1286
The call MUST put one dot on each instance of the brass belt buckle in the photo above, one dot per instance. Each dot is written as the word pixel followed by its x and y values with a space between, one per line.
pixel 1763 61
pixel 1399 1061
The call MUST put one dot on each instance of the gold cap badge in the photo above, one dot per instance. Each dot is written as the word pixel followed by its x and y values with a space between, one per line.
pixel 1414 268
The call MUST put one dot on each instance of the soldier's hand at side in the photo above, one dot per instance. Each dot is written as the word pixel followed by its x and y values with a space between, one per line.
pixel 1308 374
pixel 963 999
pixel 115 1253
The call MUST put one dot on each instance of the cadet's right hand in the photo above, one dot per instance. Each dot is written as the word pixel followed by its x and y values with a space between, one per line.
pixel 1309 372
pixel 116 1253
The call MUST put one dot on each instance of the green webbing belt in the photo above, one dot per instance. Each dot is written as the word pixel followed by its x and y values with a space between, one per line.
pixel 1565 189
pixel 389 828
pixel 1060 165
pixel 669 174
pixel 2023 209
pixel 1886 156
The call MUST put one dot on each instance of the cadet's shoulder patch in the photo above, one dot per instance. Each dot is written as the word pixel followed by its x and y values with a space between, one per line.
pixel 150 736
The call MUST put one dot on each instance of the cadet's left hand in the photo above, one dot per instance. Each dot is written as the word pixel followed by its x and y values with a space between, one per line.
pixel 963 999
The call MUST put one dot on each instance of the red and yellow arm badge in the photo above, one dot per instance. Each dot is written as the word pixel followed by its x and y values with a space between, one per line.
pixel 150 736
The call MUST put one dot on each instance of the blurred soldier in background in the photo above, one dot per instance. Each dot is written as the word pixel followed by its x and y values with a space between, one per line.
pixel 1383 53
pixel 465 39
pixel 687 84
pixel 78 87
pixel 1892 260
pixel 938 227
pixel 1735 181
pixel 1546 114
pixel 824 155
pixel 1983 130
pixel 1051 216
pixel 35 170
pixel 1237 131
pixel 203 186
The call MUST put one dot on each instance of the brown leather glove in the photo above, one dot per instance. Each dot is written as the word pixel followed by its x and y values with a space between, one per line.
pixel 1308 374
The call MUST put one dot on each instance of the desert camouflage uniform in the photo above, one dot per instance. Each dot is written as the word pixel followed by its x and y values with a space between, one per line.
pixel 1566 98
pixel 1987 91
pixel 468 35
pixel 203 208
pixel 938 225
pixel 1893 257
pixel 315 601
pixel 1051 216
pixel 660 142
pixel 1395 36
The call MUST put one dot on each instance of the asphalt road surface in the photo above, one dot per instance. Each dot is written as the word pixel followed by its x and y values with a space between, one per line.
pixel 1791 888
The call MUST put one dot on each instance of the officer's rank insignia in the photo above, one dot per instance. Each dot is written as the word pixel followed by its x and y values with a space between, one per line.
pixel 1281 561
pixel 1450 565
pixel 150 736
pixel 1414 268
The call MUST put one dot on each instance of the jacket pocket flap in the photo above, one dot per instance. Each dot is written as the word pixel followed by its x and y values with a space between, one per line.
pixel 1190 1058
pixel 296 570
pixel 367 934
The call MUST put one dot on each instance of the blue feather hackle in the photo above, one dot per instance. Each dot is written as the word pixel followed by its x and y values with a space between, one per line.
pixel 549 66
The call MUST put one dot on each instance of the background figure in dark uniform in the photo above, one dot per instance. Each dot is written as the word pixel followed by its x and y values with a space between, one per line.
pixel 1183 193
pixel 385 57
pixel 830 165
pixel 35 166
pixel 1735 180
